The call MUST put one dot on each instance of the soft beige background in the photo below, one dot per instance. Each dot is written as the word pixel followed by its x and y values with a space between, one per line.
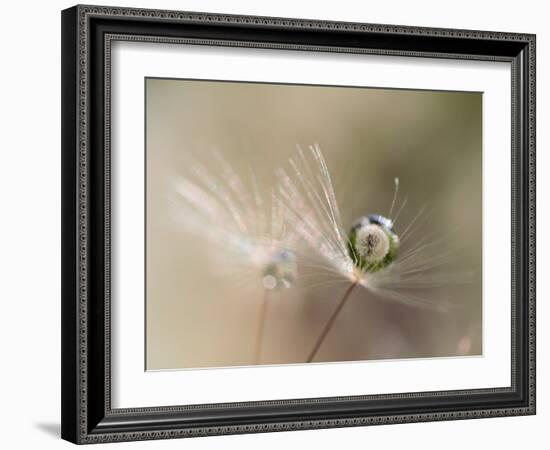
pixel 199 316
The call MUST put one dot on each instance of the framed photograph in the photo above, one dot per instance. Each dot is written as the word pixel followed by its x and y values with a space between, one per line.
pixel 278 224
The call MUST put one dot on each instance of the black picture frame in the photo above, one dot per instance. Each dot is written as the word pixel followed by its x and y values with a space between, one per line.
pixel 87 32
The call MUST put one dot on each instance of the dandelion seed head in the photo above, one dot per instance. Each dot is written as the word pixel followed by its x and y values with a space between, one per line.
pixel 247 233
pixel 405 268
pixel 373 245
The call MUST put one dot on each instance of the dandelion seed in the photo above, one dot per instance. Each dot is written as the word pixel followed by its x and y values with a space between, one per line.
pixel 249 235
pixel 373 244
pixel 370 255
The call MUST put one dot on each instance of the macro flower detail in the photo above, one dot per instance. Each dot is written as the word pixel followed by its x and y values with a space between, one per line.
pixel 369 247
pixel 371 255
pixel 373 244
pixel 234 216
pixel 249 235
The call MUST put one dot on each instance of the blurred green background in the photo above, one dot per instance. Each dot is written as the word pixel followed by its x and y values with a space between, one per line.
pixel 201 317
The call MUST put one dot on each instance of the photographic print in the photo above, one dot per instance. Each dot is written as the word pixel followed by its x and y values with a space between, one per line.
pixel 297 224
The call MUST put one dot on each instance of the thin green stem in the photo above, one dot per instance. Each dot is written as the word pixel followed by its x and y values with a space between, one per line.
pixel 330 322
pixel 261 326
